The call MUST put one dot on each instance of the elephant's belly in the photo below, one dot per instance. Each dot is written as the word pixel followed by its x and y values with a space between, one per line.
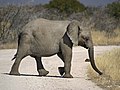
pixel 44 51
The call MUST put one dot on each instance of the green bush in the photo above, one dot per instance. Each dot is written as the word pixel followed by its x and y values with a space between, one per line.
pixel 66 6
pixel 114 9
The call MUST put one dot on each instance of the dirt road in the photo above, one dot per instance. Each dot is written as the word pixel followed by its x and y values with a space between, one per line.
pixel 29 80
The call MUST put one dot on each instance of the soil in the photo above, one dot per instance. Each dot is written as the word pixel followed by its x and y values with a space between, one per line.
pixel 29 79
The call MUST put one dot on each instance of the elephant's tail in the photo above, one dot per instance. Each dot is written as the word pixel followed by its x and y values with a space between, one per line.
pixel 19 36
pixel 14 57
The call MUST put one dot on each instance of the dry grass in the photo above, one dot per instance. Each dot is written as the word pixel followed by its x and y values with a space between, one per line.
pixel 109 63
pixel 102 38
pixel 8 45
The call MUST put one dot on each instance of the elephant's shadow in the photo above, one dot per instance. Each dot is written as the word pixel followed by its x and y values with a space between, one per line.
pixel 31 75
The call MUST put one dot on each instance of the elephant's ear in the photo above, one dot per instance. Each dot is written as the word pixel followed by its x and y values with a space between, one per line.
pixel 73 32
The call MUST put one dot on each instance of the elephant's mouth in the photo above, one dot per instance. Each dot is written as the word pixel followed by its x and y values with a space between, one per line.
pixel 83 45
pixel 86 47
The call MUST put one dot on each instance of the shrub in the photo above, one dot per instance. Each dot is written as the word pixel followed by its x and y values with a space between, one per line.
pixel 114 9
pixel 66 6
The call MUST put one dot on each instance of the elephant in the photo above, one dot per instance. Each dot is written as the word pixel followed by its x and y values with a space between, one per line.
pixel 43 38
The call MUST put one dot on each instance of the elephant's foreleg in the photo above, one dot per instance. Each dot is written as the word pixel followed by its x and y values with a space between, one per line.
pixel 67 66
pixel 40 67
pixel 67 55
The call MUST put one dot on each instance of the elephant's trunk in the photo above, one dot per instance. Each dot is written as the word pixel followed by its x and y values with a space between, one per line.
pixel 91 56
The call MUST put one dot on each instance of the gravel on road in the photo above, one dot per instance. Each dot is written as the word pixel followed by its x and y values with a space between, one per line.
pixel 29 79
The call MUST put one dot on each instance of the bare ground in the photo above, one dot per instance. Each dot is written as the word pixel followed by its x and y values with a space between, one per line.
pixel 29 79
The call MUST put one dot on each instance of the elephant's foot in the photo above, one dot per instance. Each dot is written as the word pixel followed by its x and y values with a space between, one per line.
pixel 43 72
pixel 14 73
pixel 67 76
pixel 61 70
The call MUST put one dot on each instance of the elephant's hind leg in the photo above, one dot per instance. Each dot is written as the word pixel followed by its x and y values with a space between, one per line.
pixel 40 67
pixel 21 53
pixel 15 67
pixel 61 69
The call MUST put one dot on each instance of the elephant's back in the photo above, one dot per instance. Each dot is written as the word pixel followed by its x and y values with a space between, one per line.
pixel 46 27
pixel 50 24
pixel 47 24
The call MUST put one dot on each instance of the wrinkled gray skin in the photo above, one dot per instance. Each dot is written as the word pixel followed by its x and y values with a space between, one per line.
pixel 43 38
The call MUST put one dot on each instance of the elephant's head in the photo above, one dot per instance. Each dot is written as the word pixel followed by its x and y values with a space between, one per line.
pixel 82 38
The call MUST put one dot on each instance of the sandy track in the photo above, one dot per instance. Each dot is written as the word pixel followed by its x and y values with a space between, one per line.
pixel 29 80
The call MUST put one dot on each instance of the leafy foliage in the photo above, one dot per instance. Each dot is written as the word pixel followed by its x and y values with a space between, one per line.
pixel 66 6
pixel 114 9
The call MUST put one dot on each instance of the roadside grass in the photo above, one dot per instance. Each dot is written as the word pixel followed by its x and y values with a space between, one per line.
pixel 103 38
pixel 109 64
pixel 8 45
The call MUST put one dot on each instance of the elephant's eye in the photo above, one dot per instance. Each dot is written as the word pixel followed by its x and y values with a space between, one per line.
pixel 85 38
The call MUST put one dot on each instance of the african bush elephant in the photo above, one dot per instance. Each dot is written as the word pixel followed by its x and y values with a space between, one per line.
pixel 43 38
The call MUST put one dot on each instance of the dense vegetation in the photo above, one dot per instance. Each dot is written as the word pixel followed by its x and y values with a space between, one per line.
pixel 114 9
pixel 66 6
pixel 13 18
pixel 110 65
